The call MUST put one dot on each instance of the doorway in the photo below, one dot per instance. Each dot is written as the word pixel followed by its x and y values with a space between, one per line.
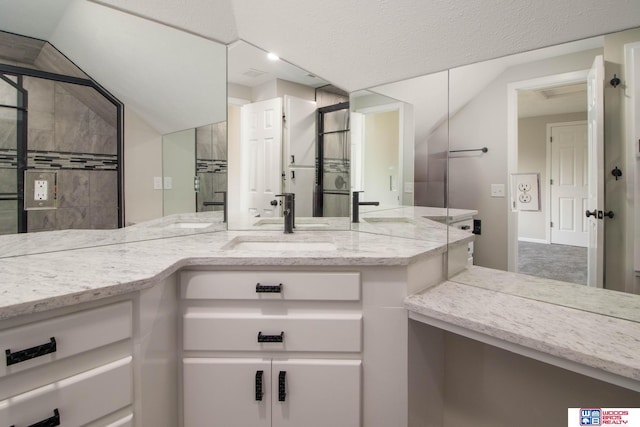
pixel 549 127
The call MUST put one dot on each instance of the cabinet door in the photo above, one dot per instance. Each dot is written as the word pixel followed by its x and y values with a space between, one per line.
pixel 316 393
pixel 225 392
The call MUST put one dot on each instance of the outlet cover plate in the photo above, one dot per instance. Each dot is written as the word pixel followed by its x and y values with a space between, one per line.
pixel 40 189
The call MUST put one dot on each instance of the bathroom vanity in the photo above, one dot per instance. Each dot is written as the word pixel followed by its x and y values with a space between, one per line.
pixel 340 328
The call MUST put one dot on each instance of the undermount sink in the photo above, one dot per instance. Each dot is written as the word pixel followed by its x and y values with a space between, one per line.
pixel 244 243
pixel 388 220
pixel 190 225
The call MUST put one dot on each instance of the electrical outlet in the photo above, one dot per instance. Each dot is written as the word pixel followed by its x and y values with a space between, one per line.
pixel 41 189
pixel 477 227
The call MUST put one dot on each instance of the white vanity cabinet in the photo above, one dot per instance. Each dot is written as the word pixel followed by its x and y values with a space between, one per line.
pixel 70 370
pixel 270 348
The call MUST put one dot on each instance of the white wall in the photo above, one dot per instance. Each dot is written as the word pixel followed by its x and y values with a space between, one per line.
pixel 179 164
pixel 142 162
pixel 482 122
pixel 234 151
pixel 532 158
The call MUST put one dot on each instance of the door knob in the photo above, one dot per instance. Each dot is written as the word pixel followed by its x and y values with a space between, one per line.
pixel 594 213
pixel 273 203
pixel 609 214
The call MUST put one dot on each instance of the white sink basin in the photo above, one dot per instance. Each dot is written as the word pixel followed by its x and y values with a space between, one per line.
pixel 388 220
pixel 190 225
pixel 277 245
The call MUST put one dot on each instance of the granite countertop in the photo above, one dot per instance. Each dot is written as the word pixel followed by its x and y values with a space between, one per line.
pixel 598 341
pixel 433 213
pixel 39 282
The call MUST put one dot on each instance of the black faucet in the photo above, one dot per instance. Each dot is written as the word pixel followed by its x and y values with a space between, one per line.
pixel 289 211
pixel 223 203
pixel 355 206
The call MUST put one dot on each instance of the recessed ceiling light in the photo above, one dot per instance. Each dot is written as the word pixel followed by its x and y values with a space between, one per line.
pixel 272 56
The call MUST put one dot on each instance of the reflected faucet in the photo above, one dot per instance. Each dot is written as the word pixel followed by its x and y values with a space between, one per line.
pixel 223 203
pixel 289 211
pixel 356 203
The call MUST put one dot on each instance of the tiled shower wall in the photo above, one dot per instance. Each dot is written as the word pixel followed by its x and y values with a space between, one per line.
pixel 66 135
pixel 211 164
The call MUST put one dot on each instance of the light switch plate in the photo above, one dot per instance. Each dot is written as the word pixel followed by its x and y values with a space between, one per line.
pixel 497 190
pixel 157 183
pixel 408 187
pixel 168 183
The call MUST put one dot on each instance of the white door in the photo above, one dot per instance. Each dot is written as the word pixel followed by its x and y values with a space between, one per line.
pixel 316 393
pixel 300 131
pixel 595 101
pixel 226 392
pixel 261 142
pixel 569 184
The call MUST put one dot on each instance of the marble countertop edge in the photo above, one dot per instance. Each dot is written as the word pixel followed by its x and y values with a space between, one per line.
pixel 559 347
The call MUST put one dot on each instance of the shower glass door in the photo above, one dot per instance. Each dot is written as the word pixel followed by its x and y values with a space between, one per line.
pixel 12 154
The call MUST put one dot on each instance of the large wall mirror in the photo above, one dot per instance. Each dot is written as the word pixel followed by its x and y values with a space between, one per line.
pixel 399 143
pixel 288 132
pixel 69 128
pixel 544 148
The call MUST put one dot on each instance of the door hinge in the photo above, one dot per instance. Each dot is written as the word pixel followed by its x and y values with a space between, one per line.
pixel 550 139
pixel 551 181
pixel 551 224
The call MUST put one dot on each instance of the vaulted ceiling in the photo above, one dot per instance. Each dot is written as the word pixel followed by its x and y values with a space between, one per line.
pixel 352 43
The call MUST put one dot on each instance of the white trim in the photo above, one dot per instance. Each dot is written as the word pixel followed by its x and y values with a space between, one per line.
pixel 532 240
pixel 632 147
pixel 512 144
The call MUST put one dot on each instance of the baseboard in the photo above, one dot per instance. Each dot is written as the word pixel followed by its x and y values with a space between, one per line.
pixel 529 240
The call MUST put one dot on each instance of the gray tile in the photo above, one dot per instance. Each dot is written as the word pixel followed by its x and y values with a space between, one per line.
pixel 103 218
pixel 8 128
pixel 203 142
pixel 8 94
pixel 73 218
pixel 71 122
pixel 40 134
pixel 44 220
pixel 102 144
pixel 220 141
pixel 103 188
pixel 8 181
pixel 41 94
pixel 73 188
pixel 8 221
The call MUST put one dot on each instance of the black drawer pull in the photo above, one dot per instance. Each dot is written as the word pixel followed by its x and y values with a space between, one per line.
pixel 270 338
pixel 282 387
pixel 259 393
pixel 268 289
pixel 31 353
pixel 49 422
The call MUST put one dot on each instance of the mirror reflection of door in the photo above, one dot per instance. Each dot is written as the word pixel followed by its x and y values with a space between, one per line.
pixel 380 149
pixel 261 145
pixel 560 241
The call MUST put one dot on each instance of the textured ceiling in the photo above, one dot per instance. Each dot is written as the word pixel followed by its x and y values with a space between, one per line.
pixel 354 44
pixel 361 43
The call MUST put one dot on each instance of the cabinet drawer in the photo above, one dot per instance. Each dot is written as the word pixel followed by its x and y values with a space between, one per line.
pixel 43 342
pixel 330 286
pixel 300 332
pixel 78 399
